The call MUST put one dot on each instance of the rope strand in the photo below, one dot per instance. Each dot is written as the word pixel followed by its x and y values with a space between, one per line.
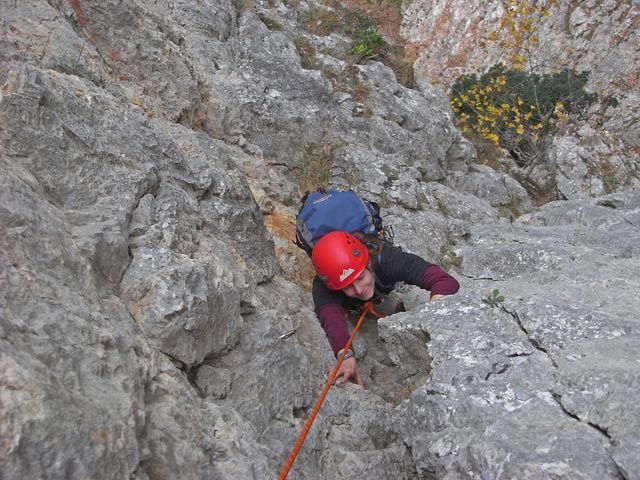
pixel 367 307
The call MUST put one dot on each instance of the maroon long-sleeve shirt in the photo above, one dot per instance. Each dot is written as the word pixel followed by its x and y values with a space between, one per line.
pixel 393 266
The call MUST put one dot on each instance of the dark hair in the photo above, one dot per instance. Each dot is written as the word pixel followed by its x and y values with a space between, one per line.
pixel 374 245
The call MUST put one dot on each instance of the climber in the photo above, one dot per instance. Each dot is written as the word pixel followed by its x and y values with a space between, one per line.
pixel 352 269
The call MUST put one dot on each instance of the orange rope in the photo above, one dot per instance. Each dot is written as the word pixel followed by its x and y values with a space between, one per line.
pixel 367 307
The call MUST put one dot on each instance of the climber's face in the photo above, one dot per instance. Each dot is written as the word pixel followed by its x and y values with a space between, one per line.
pixel 363 287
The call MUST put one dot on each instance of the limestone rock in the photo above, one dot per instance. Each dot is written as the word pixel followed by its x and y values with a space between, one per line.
pixel 153 320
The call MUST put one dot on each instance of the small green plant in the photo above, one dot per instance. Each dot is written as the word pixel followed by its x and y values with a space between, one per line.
pixel 610 101
pixel 384 200
pixel 270 23
pixel 511 210
pixel 494 298
pixel 359 91
pixel 307 53
pixel 448 257
pixel 611 175
pixel 322 21
pixel 355 21
pixel 347 81
pixel 369 44
pixel 611 183
pixel 443 207
pixel 244 5
pixel 314 169
pixel 394 58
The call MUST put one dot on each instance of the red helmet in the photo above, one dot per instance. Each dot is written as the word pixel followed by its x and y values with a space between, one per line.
pixel 339 258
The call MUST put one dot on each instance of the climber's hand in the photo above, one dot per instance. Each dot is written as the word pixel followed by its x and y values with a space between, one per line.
pixel 348 371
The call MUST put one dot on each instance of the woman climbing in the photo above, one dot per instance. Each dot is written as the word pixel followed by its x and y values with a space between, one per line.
pixel 353 269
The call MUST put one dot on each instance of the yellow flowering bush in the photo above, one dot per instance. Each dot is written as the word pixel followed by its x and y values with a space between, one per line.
pixel 513 106
pixel 516 110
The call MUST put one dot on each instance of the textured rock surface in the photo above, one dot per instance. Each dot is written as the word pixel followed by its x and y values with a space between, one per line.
pixel 540 366
pixel 148 154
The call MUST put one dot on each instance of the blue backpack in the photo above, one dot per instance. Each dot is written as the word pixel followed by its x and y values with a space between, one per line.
pixel 326 210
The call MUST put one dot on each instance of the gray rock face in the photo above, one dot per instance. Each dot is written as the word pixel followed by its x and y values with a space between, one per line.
pixel 566 329
pixel 144 149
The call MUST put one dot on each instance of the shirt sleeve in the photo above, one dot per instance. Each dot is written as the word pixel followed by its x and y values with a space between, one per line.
pixel 333 320
pixel 399 266
pixel 324 296
pixel 438 282
pixel 329 308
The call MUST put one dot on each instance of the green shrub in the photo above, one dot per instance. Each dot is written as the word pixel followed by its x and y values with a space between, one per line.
pixel 368 44
pixel 517 110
